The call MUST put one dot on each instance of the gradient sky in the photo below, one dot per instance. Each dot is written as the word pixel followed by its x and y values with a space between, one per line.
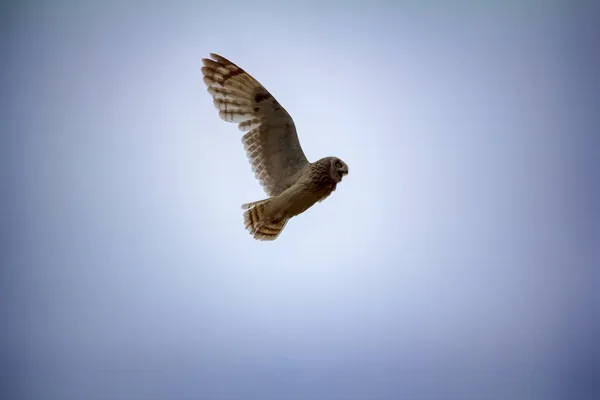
pixel 456 261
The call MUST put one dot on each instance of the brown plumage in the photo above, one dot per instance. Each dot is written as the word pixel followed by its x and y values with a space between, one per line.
pixel 292 183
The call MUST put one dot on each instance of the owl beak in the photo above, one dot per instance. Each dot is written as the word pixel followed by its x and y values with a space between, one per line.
pixel 343 172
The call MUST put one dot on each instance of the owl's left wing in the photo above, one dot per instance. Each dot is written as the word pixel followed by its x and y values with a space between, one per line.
pixel 271 141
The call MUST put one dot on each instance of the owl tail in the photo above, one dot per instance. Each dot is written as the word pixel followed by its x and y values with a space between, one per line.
pixel 259 226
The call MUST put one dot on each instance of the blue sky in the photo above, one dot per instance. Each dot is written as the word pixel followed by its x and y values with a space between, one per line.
pixel 455 261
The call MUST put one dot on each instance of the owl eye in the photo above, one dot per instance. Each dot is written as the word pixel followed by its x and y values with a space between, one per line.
pixel 338 164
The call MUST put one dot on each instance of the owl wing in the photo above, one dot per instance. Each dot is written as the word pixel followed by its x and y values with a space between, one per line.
pixel 270 141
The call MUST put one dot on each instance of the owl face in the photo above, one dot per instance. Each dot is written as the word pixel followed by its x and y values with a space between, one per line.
pixel 338 169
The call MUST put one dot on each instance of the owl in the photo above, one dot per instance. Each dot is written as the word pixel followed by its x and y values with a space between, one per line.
pixel 291 182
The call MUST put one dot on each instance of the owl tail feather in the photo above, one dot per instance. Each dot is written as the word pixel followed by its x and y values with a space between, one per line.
pixel 259 226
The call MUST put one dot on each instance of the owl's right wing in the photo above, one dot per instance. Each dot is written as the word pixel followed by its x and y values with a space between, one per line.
pixel 271 141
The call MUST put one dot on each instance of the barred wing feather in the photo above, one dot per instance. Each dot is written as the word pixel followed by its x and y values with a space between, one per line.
pixel 270 138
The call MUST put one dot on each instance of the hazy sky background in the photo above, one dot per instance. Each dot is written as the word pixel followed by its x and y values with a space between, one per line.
pixel 456 261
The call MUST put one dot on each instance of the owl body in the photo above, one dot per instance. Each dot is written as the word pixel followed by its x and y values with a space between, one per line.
pixel 292 183
pixel 313 185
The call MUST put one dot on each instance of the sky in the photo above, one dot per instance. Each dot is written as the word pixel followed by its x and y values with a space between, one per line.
pixel 458 259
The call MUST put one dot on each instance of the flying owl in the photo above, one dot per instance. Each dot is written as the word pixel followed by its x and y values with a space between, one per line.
pixel 291 182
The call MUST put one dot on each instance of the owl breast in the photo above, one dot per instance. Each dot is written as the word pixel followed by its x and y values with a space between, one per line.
pixel 314 185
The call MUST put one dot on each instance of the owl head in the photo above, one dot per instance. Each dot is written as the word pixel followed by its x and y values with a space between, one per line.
pixel 338 169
